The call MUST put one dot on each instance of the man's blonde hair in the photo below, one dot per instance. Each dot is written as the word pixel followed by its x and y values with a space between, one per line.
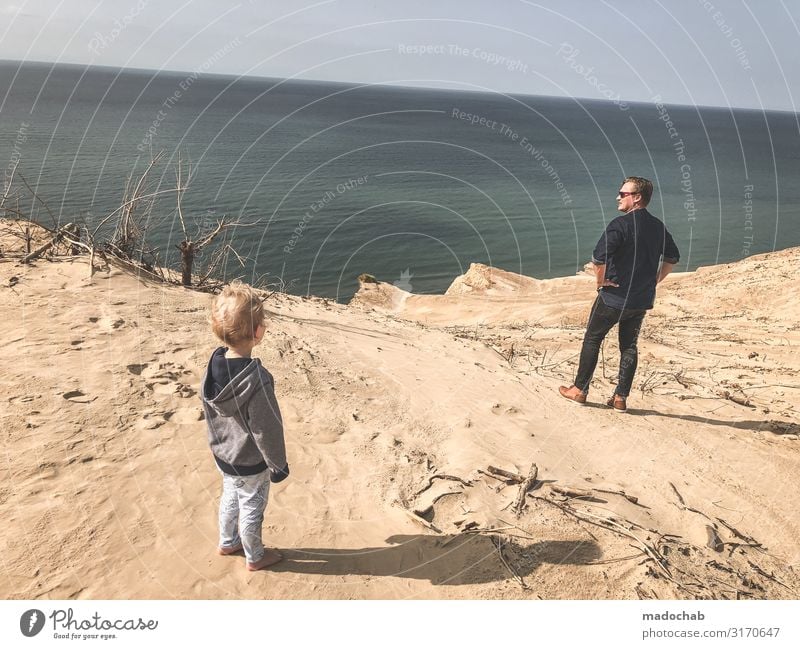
pixel 236 313
pixel 644 188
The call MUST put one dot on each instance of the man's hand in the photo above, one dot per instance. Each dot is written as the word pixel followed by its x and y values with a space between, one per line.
pixel 600 275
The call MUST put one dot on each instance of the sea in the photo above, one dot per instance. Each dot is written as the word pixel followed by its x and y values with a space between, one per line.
pixel 321 182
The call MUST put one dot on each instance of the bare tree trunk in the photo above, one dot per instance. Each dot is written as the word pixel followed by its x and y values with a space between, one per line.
pixel 187 260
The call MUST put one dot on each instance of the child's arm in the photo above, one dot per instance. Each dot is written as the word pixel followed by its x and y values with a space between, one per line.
pixel 266 425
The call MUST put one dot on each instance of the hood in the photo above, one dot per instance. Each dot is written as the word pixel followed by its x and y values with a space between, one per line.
pixel 237 392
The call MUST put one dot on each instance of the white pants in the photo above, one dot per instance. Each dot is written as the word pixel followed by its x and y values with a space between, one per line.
pixel 241 513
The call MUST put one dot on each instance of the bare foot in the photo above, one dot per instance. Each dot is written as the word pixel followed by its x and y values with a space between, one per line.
pixel 231 550
pixel 270 558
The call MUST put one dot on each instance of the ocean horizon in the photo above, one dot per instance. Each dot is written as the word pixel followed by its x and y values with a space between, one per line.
pixel 408 184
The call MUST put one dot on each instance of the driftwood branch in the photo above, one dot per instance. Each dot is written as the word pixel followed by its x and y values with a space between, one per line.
pixel 678 494
pixel 421 521
pixel 525 487
pixel 742 401
pixel 443 476
pixel 514 478
pixel 36 196
pixel 628 497
pixel 9 182
pixel 742 536
pixel 179 193
pixel 767 575
pixel 498 543
pixel 614 526
pixel 43 249
pixel 572 492
pixel 568 358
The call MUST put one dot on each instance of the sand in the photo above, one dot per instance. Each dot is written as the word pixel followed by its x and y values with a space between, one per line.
pixel 398 403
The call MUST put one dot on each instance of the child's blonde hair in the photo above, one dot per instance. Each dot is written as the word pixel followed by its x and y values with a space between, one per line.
pixel 236 313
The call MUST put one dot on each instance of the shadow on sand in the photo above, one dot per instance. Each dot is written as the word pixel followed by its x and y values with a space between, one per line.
pixel 440 559
pixel 741 424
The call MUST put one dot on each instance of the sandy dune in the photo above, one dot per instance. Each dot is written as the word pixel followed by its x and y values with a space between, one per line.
pixel 398 403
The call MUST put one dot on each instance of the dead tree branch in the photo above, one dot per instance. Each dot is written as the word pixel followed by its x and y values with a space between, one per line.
pixel 525 487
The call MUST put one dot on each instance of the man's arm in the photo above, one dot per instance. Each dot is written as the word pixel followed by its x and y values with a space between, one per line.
pixel 600 276
pixel 666 269
pixel 611 239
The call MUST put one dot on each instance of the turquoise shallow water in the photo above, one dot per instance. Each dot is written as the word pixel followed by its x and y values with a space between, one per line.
pixel 409 185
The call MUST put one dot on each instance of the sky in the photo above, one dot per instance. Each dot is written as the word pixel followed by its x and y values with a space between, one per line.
pixel 731 53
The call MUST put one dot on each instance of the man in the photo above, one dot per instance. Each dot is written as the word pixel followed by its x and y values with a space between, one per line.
pixel 634 254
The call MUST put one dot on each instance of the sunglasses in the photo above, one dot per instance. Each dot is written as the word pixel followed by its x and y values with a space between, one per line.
pixel 624 194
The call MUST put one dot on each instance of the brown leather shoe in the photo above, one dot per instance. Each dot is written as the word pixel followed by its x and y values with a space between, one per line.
pixel 617 403
pixel 270 558
pixel 573 393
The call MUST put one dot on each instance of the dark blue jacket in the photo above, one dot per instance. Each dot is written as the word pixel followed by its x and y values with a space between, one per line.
pixel 632 248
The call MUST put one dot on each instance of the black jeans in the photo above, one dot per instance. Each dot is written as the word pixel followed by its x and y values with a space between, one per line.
pixel 601 319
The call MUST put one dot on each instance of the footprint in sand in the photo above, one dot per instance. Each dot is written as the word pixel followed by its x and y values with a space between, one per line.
pixel 107 323
pixel 503 409
pixel 167 371
pixel 162 378
pixel 76 396
pixel 185 416
pixel 167 388
pixel 184 391
pixel 27 398
pixel 330 435
pixel 162 387
pixel 136 368
pixel 151 421
pixel 179 356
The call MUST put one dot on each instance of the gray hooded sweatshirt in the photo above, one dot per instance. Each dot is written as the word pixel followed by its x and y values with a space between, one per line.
pixel 245 428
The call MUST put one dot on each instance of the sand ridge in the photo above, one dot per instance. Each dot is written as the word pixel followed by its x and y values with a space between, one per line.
pixel 398 406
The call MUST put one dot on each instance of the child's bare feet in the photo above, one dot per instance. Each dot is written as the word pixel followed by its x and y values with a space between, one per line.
pixel 231 550
pixel 270 558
